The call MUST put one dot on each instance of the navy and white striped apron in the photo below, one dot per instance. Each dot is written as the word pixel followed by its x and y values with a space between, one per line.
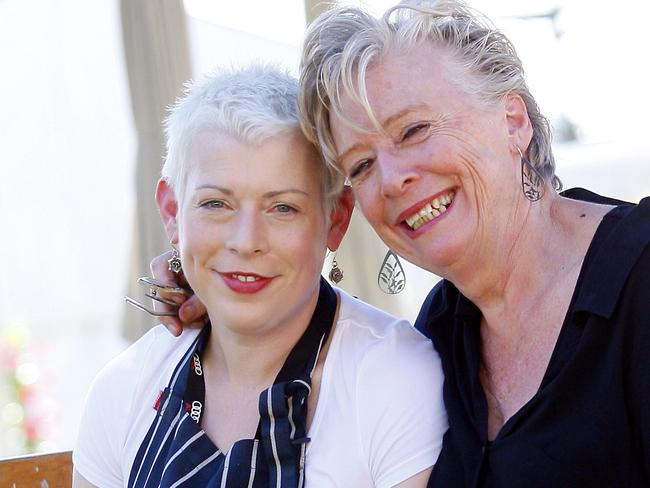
pixel 177 453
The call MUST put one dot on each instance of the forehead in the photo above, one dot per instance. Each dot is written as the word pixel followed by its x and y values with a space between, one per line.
pixel 424 78
pixel 285 159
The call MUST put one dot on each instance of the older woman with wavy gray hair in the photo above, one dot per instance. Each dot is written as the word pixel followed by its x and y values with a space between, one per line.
pixel 542 319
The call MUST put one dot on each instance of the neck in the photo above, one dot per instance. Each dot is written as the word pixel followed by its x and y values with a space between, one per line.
pixel 544 243
pixel 253 360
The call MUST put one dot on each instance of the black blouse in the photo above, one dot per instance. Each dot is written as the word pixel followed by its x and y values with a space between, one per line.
pixel 588 425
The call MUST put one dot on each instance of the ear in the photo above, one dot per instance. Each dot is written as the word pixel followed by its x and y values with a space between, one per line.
pixel 340 218
pixel 520 130
pixel 168 207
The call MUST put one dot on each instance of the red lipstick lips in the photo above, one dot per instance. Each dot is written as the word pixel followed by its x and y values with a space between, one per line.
pixel 247 283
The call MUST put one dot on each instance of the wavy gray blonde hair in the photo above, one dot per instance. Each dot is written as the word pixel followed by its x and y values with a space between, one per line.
pixel 344 42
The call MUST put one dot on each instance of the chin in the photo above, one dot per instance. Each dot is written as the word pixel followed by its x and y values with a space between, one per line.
pixel 437 260
pixel 236 316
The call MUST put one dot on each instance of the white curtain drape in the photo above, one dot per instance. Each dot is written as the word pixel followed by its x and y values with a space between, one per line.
pixel 156 50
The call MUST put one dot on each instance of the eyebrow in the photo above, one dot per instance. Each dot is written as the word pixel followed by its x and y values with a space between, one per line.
pixel 268 194
pixel 214 187
pixel 387 122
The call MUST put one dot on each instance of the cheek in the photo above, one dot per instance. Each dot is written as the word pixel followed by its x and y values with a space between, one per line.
pixel 194 237
pixel 369 201
pixel 304 248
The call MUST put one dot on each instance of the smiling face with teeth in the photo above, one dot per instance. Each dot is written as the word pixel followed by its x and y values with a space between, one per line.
pixel 252 230
pixel 438 179
pixel 430 211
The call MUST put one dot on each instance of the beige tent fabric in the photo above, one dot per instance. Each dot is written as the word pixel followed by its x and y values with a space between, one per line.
pixel 158 63
pixel 313 8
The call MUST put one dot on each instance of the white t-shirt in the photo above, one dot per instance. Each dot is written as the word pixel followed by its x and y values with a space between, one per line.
pixel 379 419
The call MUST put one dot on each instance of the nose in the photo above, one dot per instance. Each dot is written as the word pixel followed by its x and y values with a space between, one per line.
pixel 396 174
pixel 247 233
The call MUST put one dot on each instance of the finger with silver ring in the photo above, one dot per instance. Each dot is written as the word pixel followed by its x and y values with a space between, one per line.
pixel 154 295
pixel 159 286
pixel 143 308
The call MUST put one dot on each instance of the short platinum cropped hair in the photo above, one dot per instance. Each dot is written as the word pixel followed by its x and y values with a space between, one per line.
pixel 343 43
pixel 251 104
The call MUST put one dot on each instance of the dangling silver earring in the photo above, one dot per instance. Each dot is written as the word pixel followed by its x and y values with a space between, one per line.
pixel 391 278
pixel 532 182
pixel 336 273
pixel 175 265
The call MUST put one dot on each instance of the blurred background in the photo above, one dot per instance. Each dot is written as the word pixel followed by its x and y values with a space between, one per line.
pixel 84 88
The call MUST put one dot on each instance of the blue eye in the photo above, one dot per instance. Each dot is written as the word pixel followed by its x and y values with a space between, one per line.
pixel 284 208
pixel 213 204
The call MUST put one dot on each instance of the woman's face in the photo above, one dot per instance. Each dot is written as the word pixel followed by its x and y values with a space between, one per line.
pixel 438 186
pixel 252 230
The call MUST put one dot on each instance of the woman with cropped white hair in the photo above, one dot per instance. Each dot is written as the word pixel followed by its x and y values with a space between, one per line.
pixel 291 382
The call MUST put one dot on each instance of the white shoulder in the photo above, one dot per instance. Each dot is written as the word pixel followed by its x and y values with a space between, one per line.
pixel 116 397
pixel 374 327
pixel 137 366
pixel 399 382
